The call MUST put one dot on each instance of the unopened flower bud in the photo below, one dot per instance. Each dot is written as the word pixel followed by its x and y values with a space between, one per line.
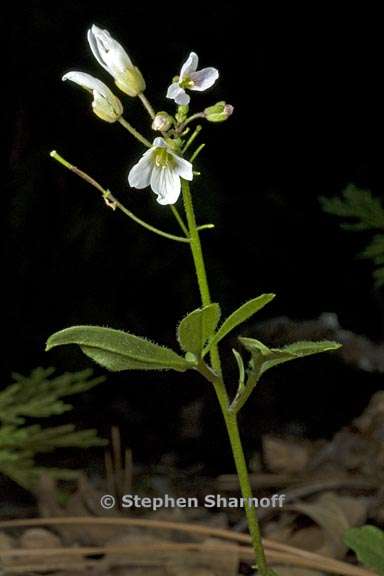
pixel 105 104
pixel 182 112
pixel 112 56
pixel 162 122
pixel 219 112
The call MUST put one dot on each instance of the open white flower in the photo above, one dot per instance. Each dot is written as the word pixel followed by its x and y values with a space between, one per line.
pixel 105 104
pixel 192 79
pixel 161 168
pixel 112 56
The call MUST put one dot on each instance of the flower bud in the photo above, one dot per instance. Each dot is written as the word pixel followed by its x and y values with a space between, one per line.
pixel 162 122
pixel 219 112
pixel 105 104
pixel 182 112
pixel 112 56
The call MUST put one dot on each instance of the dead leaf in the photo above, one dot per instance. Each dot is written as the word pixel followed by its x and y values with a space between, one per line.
pixel 289 456
pixel 39 538
pixel 371 421
pixel 310 538
pixel 81 503
pixel 334 514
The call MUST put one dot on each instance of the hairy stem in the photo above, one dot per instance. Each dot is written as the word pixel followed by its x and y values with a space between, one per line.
pixel 220 389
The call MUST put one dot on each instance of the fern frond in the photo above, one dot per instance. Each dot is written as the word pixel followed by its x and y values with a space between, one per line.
pixel 39 395
pixel 367 213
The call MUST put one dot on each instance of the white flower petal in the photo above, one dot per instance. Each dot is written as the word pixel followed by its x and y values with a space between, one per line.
pixel 84 80
pixel 166 185
pixel 140 175
pixel 190 65
pixel 105 104
pixel 108 52
pixel 94 47
pixel 204 79
pixel 178 94
pixel 182 98
pixel 173 90
pixel 183 168
pixel 90 83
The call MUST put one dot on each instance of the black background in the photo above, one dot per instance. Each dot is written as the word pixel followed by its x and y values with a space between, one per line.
pixel 306 84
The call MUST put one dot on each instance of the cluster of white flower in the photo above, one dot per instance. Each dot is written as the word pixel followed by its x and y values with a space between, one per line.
pixel 162 165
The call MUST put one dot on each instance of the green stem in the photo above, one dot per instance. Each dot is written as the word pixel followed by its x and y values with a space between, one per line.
pixel 192 138
pixel 246 491
pixel 134 132
pixel 220 389
pixel 206 227
pixel 147 105
pixel 113 202
pixel 197 152
pixel 196 116
pixel 179 219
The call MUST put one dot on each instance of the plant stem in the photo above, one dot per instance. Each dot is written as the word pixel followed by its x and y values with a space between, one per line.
pixel 179 219
pixel 220 389
pixel 197 152
pixel 196 116
pixel 134 132
pixel 147 105
pixel 192 138
pixel 113 202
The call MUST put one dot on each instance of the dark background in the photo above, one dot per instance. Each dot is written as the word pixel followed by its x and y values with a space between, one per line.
pixel 307 89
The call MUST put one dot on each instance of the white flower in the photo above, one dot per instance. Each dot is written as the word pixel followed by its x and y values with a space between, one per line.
pixel 105 104
pixel 112 56
pixel 161 168
pixel 192 79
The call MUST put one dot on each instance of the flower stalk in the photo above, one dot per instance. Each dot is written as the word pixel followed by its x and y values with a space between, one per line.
pixel 113 202
pixel 147 105
pixel 134 132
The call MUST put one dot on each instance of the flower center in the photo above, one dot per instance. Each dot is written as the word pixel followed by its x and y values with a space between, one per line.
pixel 186 82
pixel 162 158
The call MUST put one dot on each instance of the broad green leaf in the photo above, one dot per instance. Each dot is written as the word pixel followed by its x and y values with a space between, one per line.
pixel 195 329
pixel 368 544
pixel 264 358
pixel 239 316
pixel 117 350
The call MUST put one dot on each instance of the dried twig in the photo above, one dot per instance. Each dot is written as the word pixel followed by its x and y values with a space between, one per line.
pixel 277 552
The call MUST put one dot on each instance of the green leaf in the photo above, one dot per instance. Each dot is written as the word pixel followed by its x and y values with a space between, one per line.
pixel 239 316
pixel 117 350
pixel 241 367
pixel 264 358
pixel 195 329
pixel 368 544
